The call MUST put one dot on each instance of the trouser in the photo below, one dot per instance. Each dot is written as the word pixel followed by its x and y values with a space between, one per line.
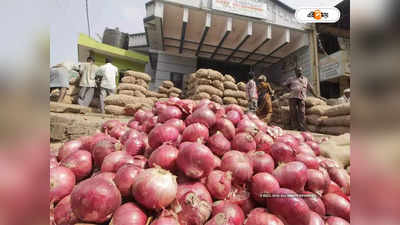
pixel 104 92
pixel 86 96
pixel 253 105
pixel 265 112
pixel 297 114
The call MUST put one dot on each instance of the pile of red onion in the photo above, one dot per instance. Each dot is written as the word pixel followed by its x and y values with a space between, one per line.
pixel 198 163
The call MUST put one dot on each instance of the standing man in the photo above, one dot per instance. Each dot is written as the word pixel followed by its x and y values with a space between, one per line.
pixel 87 72
pixel 107 73
pixel 59 79
pixel 251 89
pixel 264 111
pixel 298 87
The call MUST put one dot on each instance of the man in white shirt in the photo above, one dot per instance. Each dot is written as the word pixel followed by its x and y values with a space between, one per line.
pixel 346 97
pixel 108 73
pixel 87 83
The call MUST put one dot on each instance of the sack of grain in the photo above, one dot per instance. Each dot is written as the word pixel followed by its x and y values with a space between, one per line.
pixel 243 102
pixel 241 86
pixel 139 94
pixel 339 110
pixel 142 83
pixel 202 81
pixel 230 100
pixel 191 78
pixel 133 87
pixel 131 109
pixel 229 78
pixel 313 101
pixel 218 84
pixel 115 110
pixel 318 110
pixel 138 75
pixel 73 90
pixel 149 93
pixel 209 74
pixel 241 94
pixel 123 100
pixel 174 90
pixel 336 130
pixel 201 95
pixel 128 79
pixel 312 128
pixel 333 101
pixel 209 89
pixel 216 99
pixel 315 119
pixel 229 93
pixel 163 99
pixel 337 121
pixel 163 90
pixel 126 92
pixel 167 84
pixel 230 85
pixel 153 99
pixel 338 149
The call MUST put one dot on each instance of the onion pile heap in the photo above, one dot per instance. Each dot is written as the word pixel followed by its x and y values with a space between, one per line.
pixel 199 163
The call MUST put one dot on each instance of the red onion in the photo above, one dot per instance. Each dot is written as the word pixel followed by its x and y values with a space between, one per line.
pixel 63 214
pixel 139 161
pixel 186 105
pixel 260 216
pixel 53 162
pixel 239 164
pixel 316 219
pixel 299 137
pixel 196 160
pixel 310 161
pixel 164 156
pixel 307 136
pixel 316 181
pixel 161 134
pixel 292 175
pixel 95 199
pixel 232 212
pixel 154 188
pixel 226 127
pixel 262 126
pixel 100 137
pixel 132 133
pixel 262 162
pixel 129 214
pixel 217 109
pixel 118 131
pixel 141 116
pixel 264 142
pixel 292 209
pixel 219 184
pixel 202 103
pixel 337 206
pixel 233 116
pixel 261 184
pixel 202 115
pixel 248 126
pixel 315 147
pixel 218 144
pixel 109 125
pixel 165 220
pixel 333 220
pixel 80 163
pixel 282 152
pixel 105 175
pixel 195 132
pixel 62 181
pixel 68 148
pixel 86 141
pixel 340 177
pixel 124 178
pixel 244 142
pixel 196 187
pixel 169 112
pixel 134 146
pixel 234 107
pixel 315 203
pixel 177 123
pixel 115 160
pixel 252 116
pixel 133 124
pixel 149 124
pixel 101 150
pixel 288 139
pixel 334 188
pixel 327 163
pixel 305 149
pixel 239 195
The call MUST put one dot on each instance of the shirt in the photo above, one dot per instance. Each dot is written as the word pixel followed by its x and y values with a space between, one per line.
pixel 343 100
pixel 298 87
pixel 109 73
pixel 251 89
pixel 59 77
pixel 88 74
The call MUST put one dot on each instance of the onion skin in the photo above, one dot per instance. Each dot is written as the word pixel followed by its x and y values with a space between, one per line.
pixel 334 188
pixel 101 150
pixel 165 220
pixel 337 206
pixel 124 178
pixel 53 162
pixel 195 132
pixel 133 124
pixel 232 212
pixel 62 181
pixel 63 214
pixel 264 142
pixel 263 183
pixel 219 219
pixel 118 131
pixel 333 220
pixel 141 116
pixel 340 177
pixel 149 124
pixel 134 146
pixel 262 162
pixel 219 144
pixel 161 134
pixel 288 139
pixel 203 115
pixel 316 181
pixel 304 148
pixel 132 133
pixel 129 214
pixel 293 210
pixel 247 126
pixel 226 127
pixel 239 164
pixel 307 136
pixel 315 219
pixel 154 188
pixel 115 160
pixel 80 163
pixel 105 175
pixel 315 204
pixel 292 175
pixel 169 112
pixel 282 153
pixel 328 163
pixel 68 148
pixel 260 216
pixel 177 123
pixel 109 125
pixel 219 184
pixel 244 142
pixel 314 146
pixel 233 116
pixel 139 161
pixel 310 161
pixel 164 156
pixel 95 199
pixel 97 138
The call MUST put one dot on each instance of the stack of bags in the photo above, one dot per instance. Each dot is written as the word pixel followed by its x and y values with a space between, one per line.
pixel 235 93
pixel 72 93
pixel 167 88
pixel 333 120
pixel 205 84
pixel 280 112
pixel 121 104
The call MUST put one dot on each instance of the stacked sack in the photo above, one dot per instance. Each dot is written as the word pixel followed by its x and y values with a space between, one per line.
pixel 205 84
pixel 333 120
pixel 167 88
pixel 121 104
pixel 280 111
pixel 72 94
pixel 235 93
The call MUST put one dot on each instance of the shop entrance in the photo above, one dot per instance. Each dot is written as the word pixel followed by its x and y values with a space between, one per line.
pixel 238 71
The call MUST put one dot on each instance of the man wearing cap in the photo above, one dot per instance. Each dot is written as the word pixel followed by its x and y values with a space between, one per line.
pixel 346 96
pixel 298 87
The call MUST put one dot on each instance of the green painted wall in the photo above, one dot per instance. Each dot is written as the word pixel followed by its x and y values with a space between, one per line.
pixel 120 63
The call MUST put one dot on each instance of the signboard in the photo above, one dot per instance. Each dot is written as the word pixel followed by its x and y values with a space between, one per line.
pixel 334 65
pixel 250 8
pixel 193 3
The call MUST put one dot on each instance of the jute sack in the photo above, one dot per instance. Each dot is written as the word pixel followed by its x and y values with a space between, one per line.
pixel 337 121
pixel 318 110
pixel 128 79
pixel 163 90
pixel 73 90
pixel 216 99
pixel 123 100
pixel 229 78
pixel 313 101
pixel 201 95
pixel 209 74
pixel 241 86
pixel 337 130
pixel 339 110
pixel 241 94
pixel 229 93
pixel 338 149
pixel 167 84
pixel 133 87
pixel 142 83
pixel 230 85
pixel 333 101
pixel 149 93
pixel 139 94
pixel 218 84
pixel 202 82
pixel 131 109
pixel 163 99
pixel 153 99
pixel 138 75
pixel 126 92
pixel 315 119
pixel 191 78
pixel 115 110
pixel 312 128
pixel 243 102
pixel 230 100
pixel 174 90
pixel 209 89
pixel 173 94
